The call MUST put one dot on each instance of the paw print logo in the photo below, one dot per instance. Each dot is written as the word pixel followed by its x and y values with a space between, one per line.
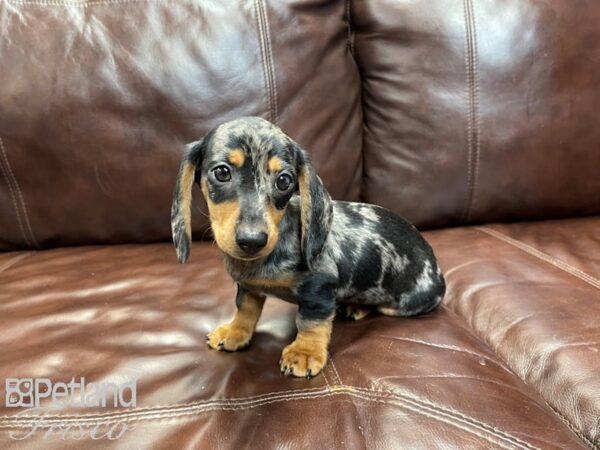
pixel 19 393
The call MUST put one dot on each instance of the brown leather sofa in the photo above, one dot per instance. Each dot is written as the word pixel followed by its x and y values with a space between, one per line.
pixel 478 120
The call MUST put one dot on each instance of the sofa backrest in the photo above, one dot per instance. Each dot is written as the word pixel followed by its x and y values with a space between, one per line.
pixel 480 110
pixel 98 98
pixel 448 112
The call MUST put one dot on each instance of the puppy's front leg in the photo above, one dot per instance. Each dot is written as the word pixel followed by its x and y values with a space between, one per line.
pixel 236 334
pixel 307 355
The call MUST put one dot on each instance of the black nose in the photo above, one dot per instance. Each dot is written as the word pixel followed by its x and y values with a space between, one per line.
pixel 251 241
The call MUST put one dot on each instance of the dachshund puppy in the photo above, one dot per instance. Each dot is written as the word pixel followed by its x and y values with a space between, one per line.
pixel 282 235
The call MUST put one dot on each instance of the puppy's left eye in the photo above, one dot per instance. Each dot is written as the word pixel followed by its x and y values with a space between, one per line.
pixel 284 181
pixel 222 174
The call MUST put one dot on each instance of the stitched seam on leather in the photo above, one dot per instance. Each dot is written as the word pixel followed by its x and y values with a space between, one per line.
pixel 326 380
pixel 331 394
pixel 17 198
pixel 468 53
pixel 337 375
pixel 262 55
pixel 200 403
pixel 574 429
pixel 596 434
pixel 458 349
pixel 132 414
pixel 415 404
pixel 13 196
pixel 267 59
pixel 329 368
pixel 571 426
pixel 14 202
pixel 477 112
pixel 249 401
pixel 465 426
pixel 11 262
pixel 223 405
pixel 543 256
pixel 259 400
pixel 341 385
pixel 227 404
pixel 77 4
pixel 350 36
pixel 442 414
pixel 271 65
pixel 458 415
pixel 473 116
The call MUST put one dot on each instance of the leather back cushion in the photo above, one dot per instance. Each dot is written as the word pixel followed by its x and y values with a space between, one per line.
pixel 479 111
pixel 98 98
pixel 473 111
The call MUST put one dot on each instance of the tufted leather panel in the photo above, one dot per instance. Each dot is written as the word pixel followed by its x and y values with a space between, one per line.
pixel 479 111
pixel 532 292
pixel 99 97
pixel 426 382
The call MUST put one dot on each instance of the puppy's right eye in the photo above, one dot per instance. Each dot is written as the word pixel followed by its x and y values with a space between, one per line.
pixel 284 181
pixel 222 174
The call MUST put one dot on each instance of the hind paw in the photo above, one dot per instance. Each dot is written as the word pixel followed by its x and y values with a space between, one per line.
pixel 354 312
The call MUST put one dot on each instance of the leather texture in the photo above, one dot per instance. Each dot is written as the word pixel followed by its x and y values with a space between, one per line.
pixel 100 97
pixel 427 382
pixel 451 113
pixel 479 111
pixel 535 299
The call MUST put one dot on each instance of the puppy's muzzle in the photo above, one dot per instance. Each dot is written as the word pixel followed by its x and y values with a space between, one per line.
pixel 251 241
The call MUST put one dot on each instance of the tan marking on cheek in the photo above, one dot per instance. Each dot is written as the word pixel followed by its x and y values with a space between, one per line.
pixel 236 157
pixel 223 219
pixel 274 217
pixel 274 164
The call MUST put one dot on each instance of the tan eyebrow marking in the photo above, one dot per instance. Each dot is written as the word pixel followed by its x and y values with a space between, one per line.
pixel 237 157
pixel 275 164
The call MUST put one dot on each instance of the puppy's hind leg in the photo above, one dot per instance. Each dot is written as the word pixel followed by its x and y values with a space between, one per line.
pixel 354 312
pixel 425 295
pixel 388 311
pixel 403 312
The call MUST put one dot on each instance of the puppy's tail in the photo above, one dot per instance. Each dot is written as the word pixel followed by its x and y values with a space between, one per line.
pixel 181 209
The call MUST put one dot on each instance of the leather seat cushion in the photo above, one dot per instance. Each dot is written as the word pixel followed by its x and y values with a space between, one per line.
pixel 532 292
pixel 120 312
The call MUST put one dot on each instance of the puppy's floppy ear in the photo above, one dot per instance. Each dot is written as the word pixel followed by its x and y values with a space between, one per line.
pixel 316 210
pixel 181 209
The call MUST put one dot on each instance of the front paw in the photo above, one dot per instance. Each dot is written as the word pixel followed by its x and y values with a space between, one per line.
pixel 301 361
pixel 229 337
